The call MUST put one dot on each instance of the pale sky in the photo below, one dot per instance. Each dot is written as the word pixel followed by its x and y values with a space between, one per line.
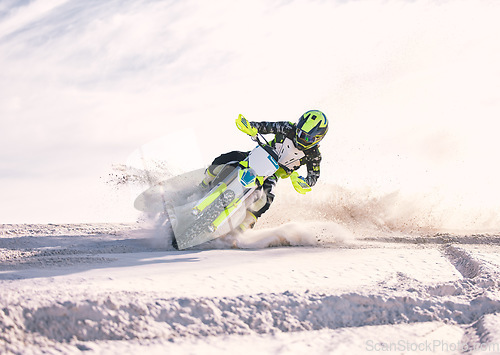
pixel 412 90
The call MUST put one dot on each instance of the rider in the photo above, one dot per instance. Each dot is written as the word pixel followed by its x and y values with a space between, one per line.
pixel 296 144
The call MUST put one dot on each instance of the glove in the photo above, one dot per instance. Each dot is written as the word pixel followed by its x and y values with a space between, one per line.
pixel 245 126
pixel 299 183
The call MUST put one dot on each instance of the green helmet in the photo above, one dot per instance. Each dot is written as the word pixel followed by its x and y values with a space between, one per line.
pixel 311 129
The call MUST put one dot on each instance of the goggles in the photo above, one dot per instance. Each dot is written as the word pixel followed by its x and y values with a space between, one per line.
pixel 305 139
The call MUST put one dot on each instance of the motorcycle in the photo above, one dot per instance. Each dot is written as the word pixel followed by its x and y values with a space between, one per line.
pixel 200 214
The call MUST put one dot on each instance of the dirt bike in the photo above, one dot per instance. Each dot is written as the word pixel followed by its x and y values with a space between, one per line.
pixel 199 214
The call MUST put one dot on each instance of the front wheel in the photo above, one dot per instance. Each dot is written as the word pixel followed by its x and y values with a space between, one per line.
pixel 174 243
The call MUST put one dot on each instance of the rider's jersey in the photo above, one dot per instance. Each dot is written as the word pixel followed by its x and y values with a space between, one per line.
pixel 284 137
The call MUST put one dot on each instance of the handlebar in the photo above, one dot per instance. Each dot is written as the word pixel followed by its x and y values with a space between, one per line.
pixel 267 147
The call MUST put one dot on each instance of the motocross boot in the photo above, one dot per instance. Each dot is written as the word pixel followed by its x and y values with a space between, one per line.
pixel 253 211
pixel 248 222
pixel 210 175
